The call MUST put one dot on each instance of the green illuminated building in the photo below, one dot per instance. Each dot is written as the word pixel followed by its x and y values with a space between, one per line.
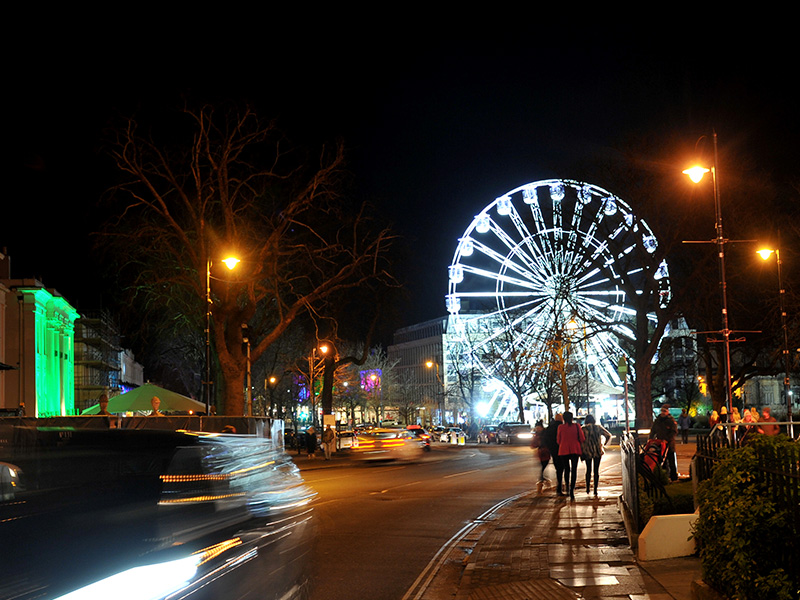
pixel 37 342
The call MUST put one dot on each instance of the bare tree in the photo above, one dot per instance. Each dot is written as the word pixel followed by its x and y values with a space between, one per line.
pixel 213 181
pixel 464 373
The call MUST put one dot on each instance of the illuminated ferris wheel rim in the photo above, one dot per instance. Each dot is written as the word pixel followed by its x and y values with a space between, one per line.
pixel 563 259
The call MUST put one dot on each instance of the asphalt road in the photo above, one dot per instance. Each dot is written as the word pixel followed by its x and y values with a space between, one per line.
pixel 380 525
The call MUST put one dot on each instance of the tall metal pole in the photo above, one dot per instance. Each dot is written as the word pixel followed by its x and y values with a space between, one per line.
pixel 787 387
pixel 207 382
pixel 726 332
pixel 249 391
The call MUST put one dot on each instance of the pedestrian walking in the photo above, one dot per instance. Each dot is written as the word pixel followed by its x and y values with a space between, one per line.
pixel 551 441
pixel 542 452
pixel 570 437
pixel 684 422
pixel 596 438
pixel 328 440
pixel 665 428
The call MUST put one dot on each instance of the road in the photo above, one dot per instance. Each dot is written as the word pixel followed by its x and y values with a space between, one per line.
pixel 380 525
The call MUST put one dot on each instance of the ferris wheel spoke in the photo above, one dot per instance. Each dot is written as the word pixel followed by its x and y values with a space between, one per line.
pixel 500 277
pixel 503 261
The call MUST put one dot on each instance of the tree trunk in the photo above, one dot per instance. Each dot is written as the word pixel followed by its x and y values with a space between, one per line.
pixel 231 377
pixel 643 394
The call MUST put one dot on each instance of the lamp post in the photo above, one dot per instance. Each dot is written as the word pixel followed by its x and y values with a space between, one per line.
pixel 696 174
pixel 231 263
pixel 765 254
pixel 314 365
pixel 430 364
pixel 269 384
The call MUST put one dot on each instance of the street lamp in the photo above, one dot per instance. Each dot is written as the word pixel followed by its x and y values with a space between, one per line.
pixel 765 254
pixel 430 364
pixel 231 263
pixel 696 174
pixel 314 366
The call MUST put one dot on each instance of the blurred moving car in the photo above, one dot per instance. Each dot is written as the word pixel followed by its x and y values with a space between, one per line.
pixel 454 435
pixel 156 514
pixel 514 433
pixel 346 439
pixel 487 434
pixel 422 436
pixel 387 444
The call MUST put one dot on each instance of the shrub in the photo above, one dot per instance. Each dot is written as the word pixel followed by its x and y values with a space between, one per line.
pixel 740 531
pixel 681 496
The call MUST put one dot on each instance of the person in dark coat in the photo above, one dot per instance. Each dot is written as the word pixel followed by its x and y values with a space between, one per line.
pixel 665 428
pixel 551 441
pixel 311 443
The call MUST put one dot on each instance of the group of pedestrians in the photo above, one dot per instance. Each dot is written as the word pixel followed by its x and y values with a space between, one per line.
pixel 749 422
pixel 327 442
pixel 565 443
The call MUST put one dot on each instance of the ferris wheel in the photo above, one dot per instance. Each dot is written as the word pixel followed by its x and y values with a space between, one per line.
pixel 549 257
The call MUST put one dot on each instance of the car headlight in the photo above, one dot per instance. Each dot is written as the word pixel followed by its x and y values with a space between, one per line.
pixel 148 582
pixel 525 436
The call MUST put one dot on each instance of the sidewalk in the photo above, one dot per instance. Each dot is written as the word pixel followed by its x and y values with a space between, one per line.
pixel 542 546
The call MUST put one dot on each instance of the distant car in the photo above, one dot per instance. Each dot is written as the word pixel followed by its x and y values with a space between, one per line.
pixel 514 433
pixel 422 435
pixel 289 438
pixel 387 444
pixel 437 432
pixel 346 439
pixel 487 434
pixel 202 516
pixel 453 435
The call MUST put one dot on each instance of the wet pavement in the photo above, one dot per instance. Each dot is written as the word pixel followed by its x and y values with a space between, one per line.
pixel 544 546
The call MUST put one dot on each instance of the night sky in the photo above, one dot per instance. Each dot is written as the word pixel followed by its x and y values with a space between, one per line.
pixel 435 132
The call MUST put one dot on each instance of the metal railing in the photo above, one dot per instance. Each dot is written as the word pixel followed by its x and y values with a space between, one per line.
pixel 629 451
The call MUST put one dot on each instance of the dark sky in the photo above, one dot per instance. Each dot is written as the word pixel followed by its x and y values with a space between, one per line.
pixel 435 131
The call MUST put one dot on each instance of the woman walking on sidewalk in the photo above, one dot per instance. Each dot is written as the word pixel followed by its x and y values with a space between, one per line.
pixel 570 438
pixel 551 441
pixel 538 444
pixel 593 450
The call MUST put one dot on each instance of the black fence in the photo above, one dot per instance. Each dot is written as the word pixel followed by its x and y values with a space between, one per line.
pixel 778 469
pixel 633 471
pixel 629 451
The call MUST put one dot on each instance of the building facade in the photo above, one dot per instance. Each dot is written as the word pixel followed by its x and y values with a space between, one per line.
pixel 419 350
pixel 37 337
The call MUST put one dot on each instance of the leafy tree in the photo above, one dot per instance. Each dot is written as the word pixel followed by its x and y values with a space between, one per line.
pixel 207 181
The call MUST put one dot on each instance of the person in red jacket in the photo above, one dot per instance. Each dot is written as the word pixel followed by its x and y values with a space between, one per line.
pixel 767 428
pixel 570 438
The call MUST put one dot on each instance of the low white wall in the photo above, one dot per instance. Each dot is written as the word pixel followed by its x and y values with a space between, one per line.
pixel 667 536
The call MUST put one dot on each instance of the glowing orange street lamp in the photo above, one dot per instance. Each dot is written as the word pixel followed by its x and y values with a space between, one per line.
pixel 430 364
pixel 231 263
pixel 765 253
pixel 696 175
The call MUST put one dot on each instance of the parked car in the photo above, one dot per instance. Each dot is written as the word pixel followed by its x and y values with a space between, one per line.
pixel 514 433
pixel 203 516
pixel 387 444
pixel 422 435
pixel 487 434
pixel 453 435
